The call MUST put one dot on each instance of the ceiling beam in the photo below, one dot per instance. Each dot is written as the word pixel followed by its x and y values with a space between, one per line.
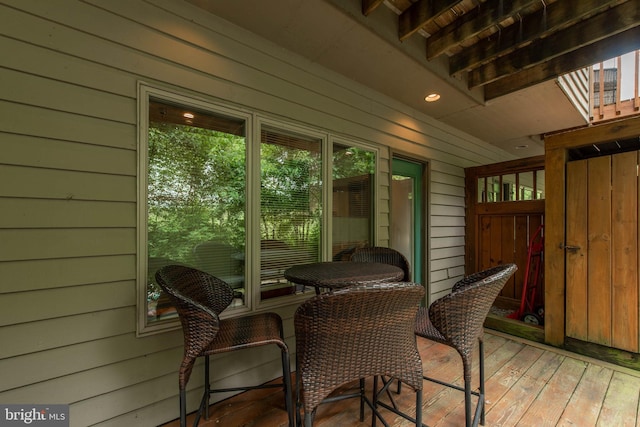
pixel 369 6
pixel 586 56
pixel 613 21
pixel 545 21
pixel 480 19
pixel 421 13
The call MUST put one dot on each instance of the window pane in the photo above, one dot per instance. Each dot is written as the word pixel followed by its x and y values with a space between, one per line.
pixel 195 196
pixel 493 189
pixel 525 182
pixel 508 187
pixel 482 195
pixel 540 184
pixel 353 171
pixel 290 206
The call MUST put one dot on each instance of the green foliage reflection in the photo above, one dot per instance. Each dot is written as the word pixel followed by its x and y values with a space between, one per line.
pixel 196 189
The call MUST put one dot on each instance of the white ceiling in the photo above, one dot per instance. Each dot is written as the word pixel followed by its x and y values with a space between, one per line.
pixel 335 34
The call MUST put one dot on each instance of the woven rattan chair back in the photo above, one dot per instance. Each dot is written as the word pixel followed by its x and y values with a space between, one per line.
pixel 199 298
pixel 483 275
pixel 459 316
pixel 385 256
pixel 457 320
pixel 355 333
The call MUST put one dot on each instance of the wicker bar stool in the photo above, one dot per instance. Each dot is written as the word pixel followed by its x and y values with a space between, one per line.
pixel 199 299
pixel 457 320
pixel 385 256
pixel 352 334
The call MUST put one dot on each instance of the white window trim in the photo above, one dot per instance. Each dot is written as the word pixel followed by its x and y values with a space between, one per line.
pixel 145 92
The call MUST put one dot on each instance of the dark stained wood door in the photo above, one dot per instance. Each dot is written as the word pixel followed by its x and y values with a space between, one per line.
pixel 498 231
pixel 504 238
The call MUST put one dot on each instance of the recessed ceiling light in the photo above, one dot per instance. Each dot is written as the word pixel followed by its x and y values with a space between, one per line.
pixel 521 147
pixel 432 97
pixel 188 115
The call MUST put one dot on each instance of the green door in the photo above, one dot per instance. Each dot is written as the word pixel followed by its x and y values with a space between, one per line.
pixel 407 217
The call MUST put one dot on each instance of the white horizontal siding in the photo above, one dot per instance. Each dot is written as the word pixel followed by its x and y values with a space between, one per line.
pixel 26 150
pixel 22 307
pixel 68 97
pixel 63 362
pixel 62 272
pixel 49 334
pixel 447 228
pixel 22 213
pixel 65 126
pixel 68 188
pixel 23 244
pixel 17 181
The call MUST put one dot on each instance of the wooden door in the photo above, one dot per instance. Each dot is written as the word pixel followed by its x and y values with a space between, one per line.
pixel 505 239
pixel 601 251
pixel 499 229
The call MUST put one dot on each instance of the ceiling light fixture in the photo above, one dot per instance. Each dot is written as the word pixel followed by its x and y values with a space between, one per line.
pixel 188 115
pixel 432 97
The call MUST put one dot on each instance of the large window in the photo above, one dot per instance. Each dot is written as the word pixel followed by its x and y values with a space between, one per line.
pixel 241 197
pixel 290 206
pixel 196 191
pixel 353 183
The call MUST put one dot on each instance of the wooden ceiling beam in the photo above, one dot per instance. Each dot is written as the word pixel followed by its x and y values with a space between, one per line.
pixel 543 22
pixel 369 6
pixel 613 21
pixel 586 56
pixel 483 17
pixel 421 13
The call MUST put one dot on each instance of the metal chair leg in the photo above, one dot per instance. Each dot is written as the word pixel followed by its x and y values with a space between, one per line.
pixel 467 401
pixel 183 408
pixel 207 387
pixel 481 397
pixel 362 399
pixel 286 380
pixel 308 420
pixel 419 408
pixel 374 402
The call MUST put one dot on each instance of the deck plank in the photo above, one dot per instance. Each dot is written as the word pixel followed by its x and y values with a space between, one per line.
pixel 498 385
pixel 517 400
pixel 585 404
pixel 620 405
pixel 527 384
pixel 497 354
pixel 550 403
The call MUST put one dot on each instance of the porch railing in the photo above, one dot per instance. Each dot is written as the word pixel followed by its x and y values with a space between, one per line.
pixel 613 91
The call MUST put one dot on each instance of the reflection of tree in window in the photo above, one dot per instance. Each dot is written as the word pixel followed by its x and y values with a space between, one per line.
pixel 353 172
pixel 196 188
pixel 290 204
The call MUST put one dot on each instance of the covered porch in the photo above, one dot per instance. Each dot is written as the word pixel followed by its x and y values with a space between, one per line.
pixel 78 84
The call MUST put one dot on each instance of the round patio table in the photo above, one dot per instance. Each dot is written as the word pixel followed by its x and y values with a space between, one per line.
pixel 341 274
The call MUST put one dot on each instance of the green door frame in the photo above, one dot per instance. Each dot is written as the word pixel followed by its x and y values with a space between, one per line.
pixel 415 171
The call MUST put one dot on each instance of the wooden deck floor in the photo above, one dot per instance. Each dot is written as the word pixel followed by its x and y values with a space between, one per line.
pixel 527 384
